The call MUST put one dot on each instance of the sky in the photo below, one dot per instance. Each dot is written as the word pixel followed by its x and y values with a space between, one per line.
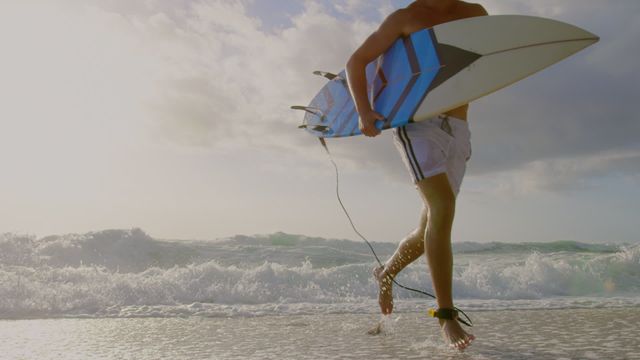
pixel 173 117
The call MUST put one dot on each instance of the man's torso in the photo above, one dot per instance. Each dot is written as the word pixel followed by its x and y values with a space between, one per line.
pixel 421 17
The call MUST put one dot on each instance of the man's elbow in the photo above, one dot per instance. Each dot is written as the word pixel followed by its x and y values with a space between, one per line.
pixel 351 64
pixel 354 63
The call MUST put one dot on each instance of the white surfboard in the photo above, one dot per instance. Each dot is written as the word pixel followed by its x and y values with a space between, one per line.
pixel 511 47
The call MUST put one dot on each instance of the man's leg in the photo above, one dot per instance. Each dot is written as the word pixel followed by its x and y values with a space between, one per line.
pixel 441 202
pixel 410 249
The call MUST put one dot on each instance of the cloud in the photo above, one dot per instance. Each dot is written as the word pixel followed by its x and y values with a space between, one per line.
pixel 227 82
pixel 568 174
pixel 220 74
pixel 579 109
pixel 560 127
pixel 553 130
pixel 197 73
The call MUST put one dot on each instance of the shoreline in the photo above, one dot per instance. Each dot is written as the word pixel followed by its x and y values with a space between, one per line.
pixel 501 334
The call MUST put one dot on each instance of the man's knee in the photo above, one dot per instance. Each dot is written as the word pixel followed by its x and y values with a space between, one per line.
pixel 442 210
pixel 438 197
pixel 418 233
pixel 436 186
pixel 441 220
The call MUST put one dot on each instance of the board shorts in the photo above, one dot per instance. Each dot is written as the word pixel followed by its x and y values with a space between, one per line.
pixel 441 144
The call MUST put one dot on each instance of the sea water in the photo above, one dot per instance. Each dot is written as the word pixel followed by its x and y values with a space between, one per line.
pixel 122 294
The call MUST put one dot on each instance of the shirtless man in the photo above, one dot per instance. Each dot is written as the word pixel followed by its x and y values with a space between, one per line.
pixel 435 152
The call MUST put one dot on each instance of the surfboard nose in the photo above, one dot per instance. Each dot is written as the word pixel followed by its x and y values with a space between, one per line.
pixel 511 47
pixel 509 32
pixel 595 38
pixel 582 34
pixel 584 37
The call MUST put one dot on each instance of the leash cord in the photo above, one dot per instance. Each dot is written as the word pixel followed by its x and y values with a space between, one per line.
pixel 467 322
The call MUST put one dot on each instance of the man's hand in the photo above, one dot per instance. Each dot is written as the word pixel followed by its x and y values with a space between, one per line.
pixel 368 123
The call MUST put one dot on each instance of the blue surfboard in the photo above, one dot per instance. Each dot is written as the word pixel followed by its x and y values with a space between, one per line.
pixel 438 69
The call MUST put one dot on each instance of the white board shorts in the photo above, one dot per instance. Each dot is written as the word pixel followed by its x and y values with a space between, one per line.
pixel 432 147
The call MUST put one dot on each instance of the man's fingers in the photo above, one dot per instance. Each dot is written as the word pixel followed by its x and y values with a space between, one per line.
pixel 372 132
pixel 368 124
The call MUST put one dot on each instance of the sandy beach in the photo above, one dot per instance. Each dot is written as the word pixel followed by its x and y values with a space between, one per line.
pixel 525 334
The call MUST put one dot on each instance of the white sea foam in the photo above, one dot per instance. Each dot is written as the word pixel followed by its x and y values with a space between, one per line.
pixel 128 273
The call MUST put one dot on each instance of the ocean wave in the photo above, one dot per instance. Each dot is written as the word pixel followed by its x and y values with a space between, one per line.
pixel 133 250
pixel 119 273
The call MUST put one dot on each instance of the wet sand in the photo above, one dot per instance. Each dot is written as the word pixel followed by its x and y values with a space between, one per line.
pixel 524 334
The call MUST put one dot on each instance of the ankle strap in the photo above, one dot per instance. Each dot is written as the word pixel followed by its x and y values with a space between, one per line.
pixel 444 313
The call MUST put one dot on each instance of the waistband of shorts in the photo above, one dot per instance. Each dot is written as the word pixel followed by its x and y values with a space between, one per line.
pixel 450 118
pixel 453 121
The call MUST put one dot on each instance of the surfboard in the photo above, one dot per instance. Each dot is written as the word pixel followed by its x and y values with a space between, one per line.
pixel 441 68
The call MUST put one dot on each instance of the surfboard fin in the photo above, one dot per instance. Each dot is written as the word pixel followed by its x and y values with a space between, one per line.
pixel 311 110
pixel 327 75
pixel 318 128
pixel 331 76
pixel 323 129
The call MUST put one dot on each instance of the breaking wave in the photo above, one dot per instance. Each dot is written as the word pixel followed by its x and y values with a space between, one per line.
pixel 128 273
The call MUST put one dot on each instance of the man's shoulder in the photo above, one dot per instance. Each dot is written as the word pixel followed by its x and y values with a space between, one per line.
pixel 399 20
pixel 413 10
pixel 400 15
pixel 407 20
pixel 472 9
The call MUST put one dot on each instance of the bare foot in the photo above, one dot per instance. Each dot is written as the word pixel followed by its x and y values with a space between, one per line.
pixel 385 294
pixel 455 335
pixel 385 325
pixel 377 329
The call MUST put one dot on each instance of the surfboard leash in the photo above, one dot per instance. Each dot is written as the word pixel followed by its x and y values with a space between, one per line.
pixel 466 321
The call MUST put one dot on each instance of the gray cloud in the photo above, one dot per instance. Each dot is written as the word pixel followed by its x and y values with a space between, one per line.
pixel 574 112
pixel 571 174
pixel 222 80
pixel 224 77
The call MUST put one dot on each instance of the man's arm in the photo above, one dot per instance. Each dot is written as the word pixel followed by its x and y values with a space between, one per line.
pixel 375 45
